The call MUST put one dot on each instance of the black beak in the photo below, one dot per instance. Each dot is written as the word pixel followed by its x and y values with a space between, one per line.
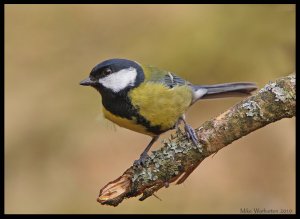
pixel 87 82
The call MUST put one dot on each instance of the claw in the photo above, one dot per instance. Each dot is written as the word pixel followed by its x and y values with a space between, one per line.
pixel 141 161
pixel 191 134
pixel 144 156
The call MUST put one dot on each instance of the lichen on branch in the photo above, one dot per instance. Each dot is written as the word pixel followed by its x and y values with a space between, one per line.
pixel 178 157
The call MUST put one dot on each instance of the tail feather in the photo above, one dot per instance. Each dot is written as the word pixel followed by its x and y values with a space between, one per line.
pixel 237 89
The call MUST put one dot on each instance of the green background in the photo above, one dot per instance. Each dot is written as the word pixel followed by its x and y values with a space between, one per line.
pixel 59 151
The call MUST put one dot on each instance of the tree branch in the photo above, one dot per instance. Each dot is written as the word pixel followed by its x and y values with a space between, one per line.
pixel 178 157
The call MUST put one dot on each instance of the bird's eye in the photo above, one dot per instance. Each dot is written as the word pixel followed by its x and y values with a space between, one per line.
pixel 107 71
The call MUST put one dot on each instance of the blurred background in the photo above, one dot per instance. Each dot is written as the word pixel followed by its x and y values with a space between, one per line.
pixel 59 151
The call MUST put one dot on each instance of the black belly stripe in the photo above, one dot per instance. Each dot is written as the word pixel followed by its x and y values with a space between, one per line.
pixel 120 105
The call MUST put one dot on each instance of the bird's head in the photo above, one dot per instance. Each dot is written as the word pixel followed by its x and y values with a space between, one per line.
pixel 115 75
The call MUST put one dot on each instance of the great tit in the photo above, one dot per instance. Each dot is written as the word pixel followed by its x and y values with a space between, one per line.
pixel 152 101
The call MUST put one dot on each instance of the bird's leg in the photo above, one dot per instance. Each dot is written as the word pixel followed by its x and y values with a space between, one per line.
pixel 145 155
pixel 190 132
pixel 177 124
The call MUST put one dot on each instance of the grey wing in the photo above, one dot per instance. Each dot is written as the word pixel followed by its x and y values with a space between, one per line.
pixel 172 80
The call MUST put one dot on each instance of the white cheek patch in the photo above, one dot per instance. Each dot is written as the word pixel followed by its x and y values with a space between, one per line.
pixel 119 80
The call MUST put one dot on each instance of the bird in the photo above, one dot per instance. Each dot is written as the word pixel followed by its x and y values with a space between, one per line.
pixel 151 101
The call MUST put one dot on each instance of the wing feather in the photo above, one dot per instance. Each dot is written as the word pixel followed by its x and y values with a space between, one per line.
pixel 169 79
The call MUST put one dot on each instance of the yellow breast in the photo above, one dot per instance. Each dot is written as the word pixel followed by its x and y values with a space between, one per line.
pixel 161 105
pixel 126 123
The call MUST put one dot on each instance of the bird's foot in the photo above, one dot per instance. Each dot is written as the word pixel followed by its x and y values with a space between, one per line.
pixel 191 134
pixel 142 160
